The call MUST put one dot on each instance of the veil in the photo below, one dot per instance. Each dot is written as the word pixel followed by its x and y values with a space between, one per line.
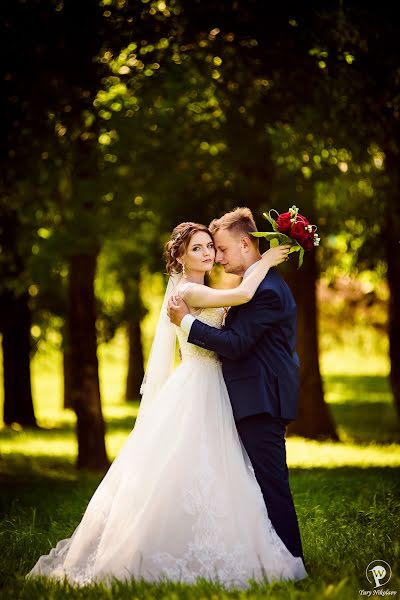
pixel 162 353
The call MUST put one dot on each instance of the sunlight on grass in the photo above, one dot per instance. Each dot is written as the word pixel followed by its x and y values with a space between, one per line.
pixel 359 403
pixel 345 493
pixel 309 454
pixel 301 453
pixel 347 360
pixel 60 442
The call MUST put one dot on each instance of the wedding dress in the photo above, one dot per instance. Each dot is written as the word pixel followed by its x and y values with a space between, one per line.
pixel 181 500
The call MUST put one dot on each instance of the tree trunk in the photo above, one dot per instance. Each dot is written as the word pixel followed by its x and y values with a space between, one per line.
pixel 67 389
pixel 393 276
pixel 15 326
pixel 314 419
pixel 134 311
pixel 84 377
pixel 391 239
pixel 135 361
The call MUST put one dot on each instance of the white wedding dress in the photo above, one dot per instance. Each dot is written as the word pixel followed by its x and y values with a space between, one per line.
pixel 181 500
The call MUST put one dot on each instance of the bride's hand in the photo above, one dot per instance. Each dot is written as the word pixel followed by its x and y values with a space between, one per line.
pixel 177 309
pixel 275 256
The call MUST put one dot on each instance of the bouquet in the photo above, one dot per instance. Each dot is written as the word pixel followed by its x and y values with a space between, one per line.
pixel 291 228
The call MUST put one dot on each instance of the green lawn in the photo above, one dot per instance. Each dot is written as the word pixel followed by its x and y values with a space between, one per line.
pixel 346 494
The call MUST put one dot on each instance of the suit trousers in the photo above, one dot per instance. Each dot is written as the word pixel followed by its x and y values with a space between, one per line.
pixel 263 437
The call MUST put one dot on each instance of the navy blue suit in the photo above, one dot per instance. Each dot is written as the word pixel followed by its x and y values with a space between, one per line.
pixel 257 347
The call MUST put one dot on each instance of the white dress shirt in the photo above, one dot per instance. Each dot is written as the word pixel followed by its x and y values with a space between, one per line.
pixel 188 320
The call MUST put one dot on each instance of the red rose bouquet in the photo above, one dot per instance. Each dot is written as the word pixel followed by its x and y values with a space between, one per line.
pixel 291 228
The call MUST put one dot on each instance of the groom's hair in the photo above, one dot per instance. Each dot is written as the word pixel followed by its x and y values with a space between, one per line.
pixel 239 221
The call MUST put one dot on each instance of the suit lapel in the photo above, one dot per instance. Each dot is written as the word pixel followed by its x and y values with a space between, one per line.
pixel 231 314
pixel 234 310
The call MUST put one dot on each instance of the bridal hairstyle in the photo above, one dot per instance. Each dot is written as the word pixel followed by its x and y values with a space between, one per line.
pixel 178 244
pixel 239 221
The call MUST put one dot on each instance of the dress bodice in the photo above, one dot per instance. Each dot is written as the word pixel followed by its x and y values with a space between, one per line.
pixel 210 316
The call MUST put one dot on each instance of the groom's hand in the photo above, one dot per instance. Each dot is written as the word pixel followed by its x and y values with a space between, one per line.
pixel 177 309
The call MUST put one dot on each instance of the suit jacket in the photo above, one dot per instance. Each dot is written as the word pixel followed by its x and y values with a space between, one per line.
pixel 257 347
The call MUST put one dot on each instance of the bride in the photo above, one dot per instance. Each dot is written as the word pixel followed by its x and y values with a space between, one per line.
pixel 181 500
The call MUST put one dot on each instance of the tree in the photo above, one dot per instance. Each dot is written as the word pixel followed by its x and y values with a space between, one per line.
pixel 15 328
pixel 359 99
pixel 45 121
pixel 85 389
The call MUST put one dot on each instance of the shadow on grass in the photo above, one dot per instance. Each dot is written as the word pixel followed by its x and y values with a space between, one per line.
pixel 366 422
pixel 344 511
pixel 361 422
pixel 54 475
pixel 359 386
pixel 114 424
pixel 362 407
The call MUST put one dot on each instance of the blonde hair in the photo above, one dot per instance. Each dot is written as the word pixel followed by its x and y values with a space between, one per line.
pixel 238 221
pixel 178 244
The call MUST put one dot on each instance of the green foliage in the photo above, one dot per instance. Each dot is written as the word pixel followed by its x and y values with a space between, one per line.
pixel 179 119
pixel 143 114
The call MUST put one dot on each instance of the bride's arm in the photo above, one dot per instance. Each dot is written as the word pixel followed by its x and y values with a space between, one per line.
pixel 201 296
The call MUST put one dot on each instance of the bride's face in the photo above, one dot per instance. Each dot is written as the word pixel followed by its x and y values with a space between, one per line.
pixel 200 253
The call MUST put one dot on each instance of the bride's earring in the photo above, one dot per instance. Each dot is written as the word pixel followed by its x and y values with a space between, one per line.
pixel 183 270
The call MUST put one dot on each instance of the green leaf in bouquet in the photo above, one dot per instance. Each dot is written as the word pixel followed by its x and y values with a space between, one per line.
pixel 301 256
pixel 271 220
pixel 276 238
pixel 270 235
pixel 298 248
pixel 285 239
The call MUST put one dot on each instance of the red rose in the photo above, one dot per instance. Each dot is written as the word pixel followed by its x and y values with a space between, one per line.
pixel 302 220
pixel 283 223
pixel 298 232
pixel 308 243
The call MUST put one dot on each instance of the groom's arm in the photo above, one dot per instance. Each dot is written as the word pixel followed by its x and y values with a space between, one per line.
pixel 237 340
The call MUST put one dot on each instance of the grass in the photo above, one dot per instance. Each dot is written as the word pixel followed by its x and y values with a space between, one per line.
pixel 346 494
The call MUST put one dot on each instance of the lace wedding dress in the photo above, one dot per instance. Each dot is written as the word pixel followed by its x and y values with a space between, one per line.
pixel 181 500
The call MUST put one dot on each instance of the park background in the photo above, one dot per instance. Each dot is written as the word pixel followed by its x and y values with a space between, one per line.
pixel 123 118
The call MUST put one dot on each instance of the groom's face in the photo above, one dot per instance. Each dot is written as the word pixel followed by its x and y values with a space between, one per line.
pixel 229 252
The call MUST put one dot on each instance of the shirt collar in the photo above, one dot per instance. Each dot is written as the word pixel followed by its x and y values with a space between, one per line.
pixel 250 269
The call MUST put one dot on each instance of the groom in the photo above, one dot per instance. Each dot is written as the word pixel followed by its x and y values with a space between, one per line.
pixel 257 347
